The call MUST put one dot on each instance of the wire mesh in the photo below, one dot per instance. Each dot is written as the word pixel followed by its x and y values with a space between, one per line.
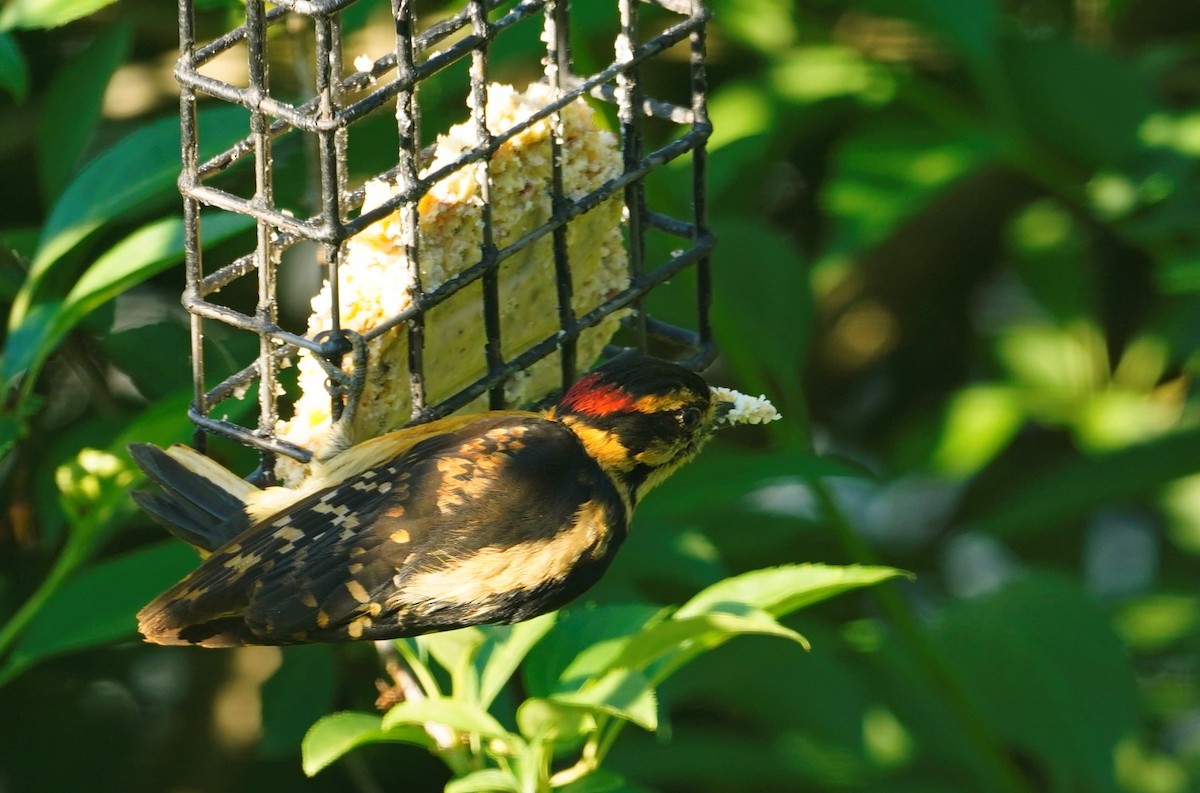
pixel 343 99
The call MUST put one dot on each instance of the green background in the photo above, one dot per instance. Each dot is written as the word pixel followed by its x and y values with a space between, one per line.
pixel 958 250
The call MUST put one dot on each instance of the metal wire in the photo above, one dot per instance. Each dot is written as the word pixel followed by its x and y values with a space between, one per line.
pixel 341 101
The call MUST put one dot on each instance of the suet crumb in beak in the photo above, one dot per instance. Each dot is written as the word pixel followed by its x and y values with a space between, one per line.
pixel 734 407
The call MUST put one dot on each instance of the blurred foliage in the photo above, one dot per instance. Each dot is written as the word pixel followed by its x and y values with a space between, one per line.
pixel 959 250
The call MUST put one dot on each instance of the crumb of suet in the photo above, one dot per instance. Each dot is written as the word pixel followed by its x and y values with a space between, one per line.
pixel 375 283
pixel 745 409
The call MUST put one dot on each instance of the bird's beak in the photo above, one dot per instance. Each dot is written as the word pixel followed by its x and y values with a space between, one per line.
pixel 722 410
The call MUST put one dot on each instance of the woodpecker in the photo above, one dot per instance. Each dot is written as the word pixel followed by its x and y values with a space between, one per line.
pixel 494 517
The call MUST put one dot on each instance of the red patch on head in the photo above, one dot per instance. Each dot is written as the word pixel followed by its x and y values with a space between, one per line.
pixel 592 396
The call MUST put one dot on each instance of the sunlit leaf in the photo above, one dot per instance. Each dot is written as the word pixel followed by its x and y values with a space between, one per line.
pixel 1063 364
pixel 782 590
pixel 599 781
pixel 144 253
pixel 583 643
pixel 47 13
pixel 766 25
pixel 624 693
pixel 1181 508
pixel 338 733
pixel 668 645
pixel 455 651
pixel 452 713
pixel 93 487
pixel 979 422
pixel 812 74
pixel 504 650
pixel 541 719
pixel 141 168
pixel 742 116
pixel 486 780
pixel 887 173
pixel 1157 621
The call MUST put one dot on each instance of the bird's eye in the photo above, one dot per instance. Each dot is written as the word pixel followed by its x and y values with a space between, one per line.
pixel 689 418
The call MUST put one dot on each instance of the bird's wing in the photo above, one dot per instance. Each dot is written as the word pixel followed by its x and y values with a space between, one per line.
pixel 427 536
pixel 264 504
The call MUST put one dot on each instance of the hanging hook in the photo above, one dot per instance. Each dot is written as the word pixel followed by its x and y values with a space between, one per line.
pixel 344 388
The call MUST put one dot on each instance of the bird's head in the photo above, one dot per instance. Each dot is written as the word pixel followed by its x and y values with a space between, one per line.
pixel 641 418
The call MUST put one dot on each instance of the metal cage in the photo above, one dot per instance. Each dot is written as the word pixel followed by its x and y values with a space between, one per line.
pixel 328 115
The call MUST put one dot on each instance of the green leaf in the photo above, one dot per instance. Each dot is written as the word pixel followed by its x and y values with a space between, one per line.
pixel 583 643
pixel 1047 248
pixel 1070 488
pixel 338 733
pixel 762 306
pixel 47 13
pixel 98 605
pixel 144 253
pixel 456 714
pixel 811 74
pixel 599 781
pixel 742 114
pixel 543 720
pixel 978 423
pixel 970 28
pixel 504 650
pixel 1036 655
pixel 141 168
pixel 887 174
pixel 93 488
pixel 668 645
pixel 455 651
pixel 766 25
pixel 484 780
pixel 162 423
pixel 781 590
pixel 624 693
pixel 22 242
pixel 14 71
pixel 11 430
pixel 94 484
pixel 71 107
pixel 1087 104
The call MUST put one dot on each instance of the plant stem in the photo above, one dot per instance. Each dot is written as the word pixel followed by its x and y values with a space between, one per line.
pixel 70 558
pixel 593 752
pixel 423 675
pixel 998 772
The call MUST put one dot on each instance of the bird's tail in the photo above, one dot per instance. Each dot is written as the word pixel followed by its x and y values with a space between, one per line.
pixel 202 503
